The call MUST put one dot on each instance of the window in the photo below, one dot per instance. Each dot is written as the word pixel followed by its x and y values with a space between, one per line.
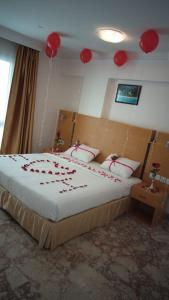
pixel 7 58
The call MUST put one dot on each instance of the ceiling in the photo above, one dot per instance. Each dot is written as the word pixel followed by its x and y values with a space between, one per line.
pixel 77 21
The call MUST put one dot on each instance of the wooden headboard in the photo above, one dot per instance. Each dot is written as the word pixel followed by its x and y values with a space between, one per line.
pixel 112 137
pixel 159 153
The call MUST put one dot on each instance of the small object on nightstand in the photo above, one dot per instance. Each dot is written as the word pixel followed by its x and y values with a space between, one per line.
pixel 153 189
pixel 153 201
pixel 57 145
pixel 153 173
pixel 58 141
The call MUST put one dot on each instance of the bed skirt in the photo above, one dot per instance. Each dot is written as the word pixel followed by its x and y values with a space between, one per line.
pixel 51 234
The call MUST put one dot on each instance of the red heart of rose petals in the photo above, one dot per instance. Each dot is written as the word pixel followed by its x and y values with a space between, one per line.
pixel 26 168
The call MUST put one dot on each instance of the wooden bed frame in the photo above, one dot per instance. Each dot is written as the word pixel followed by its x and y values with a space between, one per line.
pixel 52 234
pixel 109 137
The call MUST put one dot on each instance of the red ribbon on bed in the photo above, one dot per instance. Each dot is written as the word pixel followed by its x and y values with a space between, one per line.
pixel 114 160
pixel 78 146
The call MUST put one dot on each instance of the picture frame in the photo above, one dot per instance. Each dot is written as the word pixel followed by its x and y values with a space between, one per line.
pixel 128 94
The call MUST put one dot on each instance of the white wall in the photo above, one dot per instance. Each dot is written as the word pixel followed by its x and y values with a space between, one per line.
pixel 44 72
pixel 69 92
pixel 152 110
pixel 91 88
pixel 97 97
pixel 55 91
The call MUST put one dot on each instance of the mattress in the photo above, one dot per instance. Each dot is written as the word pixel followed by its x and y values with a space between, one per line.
pixel 57 186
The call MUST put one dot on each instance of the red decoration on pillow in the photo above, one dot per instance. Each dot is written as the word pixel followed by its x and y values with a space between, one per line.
pixel 77 147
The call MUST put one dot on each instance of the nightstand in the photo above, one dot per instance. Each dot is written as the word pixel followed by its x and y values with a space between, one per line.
pixel 152 203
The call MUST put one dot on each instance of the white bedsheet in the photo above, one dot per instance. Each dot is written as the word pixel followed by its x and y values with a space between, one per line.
pixel 59 191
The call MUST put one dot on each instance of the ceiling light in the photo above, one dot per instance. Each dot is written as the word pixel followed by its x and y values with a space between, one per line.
pixel 110 35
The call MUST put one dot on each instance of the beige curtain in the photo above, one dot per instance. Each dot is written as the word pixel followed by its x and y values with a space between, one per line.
pixel 17 137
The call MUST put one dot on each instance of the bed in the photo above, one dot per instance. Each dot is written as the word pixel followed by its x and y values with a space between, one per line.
pixel 56 197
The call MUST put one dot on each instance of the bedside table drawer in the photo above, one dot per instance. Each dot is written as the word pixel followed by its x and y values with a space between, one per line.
pixel 141 197
pixel 145 196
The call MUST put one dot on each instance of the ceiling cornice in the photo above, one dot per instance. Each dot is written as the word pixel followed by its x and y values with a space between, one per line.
pixel 21 39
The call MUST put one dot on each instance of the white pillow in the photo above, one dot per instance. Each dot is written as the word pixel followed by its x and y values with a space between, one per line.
pixel 121 166
pixel 82 152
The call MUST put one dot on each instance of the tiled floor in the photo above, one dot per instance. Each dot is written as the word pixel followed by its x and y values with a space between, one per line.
pixel 125 260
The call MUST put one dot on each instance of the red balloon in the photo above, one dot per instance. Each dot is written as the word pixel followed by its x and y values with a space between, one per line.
pixel 50 52
pixel 86 55
pixel 120 58
pixel 53 40
pixel 149 40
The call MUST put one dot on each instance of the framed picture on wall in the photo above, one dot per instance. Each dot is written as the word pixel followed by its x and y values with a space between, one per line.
pixel 128 94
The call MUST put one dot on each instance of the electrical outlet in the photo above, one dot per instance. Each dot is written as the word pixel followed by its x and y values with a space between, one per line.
pixel 163 179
